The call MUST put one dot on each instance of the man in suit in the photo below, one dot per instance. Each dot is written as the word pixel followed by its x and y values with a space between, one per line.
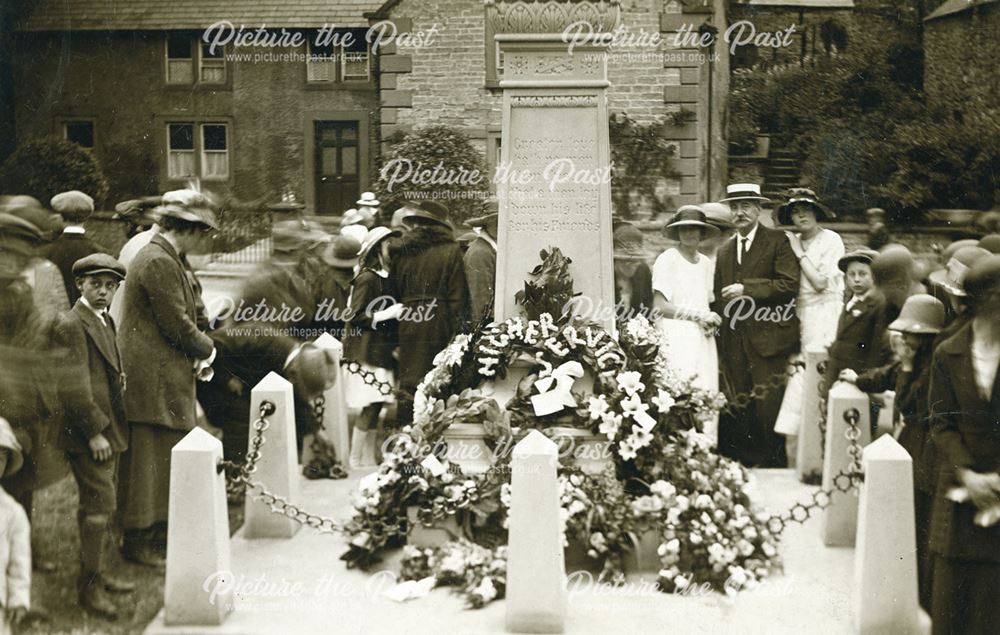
pixel 756 282
pixel 74 243
pixel 96 431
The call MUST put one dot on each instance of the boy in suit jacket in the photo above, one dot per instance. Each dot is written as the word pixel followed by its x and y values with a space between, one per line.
pixel 862 334
pixel 96 431
pixel 756 283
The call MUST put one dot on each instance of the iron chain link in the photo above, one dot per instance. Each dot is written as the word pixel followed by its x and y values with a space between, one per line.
pixel 239 475
pixel 368 377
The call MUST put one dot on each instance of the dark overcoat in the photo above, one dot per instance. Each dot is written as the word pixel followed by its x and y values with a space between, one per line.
pixel 362 342
pixel 965 429
pixel 160 340
pixel 481 272
pixel 429 275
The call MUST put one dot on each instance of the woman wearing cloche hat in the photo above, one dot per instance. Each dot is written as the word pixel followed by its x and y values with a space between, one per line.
pixel 964 420
pixel 370 342
pixel 682 285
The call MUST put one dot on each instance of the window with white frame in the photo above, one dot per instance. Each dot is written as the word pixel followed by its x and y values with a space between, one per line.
pixel 211 66
pixel 198 150
pixel 79 132
pixel 190 61
pixel 343 56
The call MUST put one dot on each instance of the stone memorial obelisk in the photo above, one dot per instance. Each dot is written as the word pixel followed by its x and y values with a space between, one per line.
pixel 553 182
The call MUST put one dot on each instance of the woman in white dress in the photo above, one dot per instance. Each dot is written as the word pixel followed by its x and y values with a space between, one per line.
pixel 821 293
pixel 682 286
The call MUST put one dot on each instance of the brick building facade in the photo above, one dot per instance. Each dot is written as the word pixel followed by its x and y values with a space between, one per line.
pixel 455 81
pixel 137 85
pixel 961 49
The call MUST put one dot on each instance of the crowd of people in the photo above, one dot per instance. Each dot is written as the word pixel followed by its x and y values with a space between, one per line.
pixel 108 360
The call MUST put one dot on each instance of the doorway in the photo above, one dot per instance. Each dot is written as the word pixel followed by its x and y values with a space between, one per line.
pixel 337 164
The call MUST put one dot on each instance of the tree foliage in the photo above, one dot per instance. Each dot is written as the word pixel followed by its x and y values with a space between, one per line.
pixel 47 166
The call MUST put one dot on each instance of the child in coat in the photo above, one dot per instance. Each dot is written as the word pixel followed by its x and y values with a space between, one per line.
pixel 95 430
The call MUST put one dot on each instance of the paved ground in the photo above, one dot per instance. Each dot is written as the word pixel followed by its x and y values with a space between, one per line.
pixel 812 595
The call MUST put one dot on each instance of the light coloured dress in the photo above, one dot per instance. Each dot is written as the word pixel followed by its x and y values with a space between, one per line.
pixel 819 313
pixel 690 352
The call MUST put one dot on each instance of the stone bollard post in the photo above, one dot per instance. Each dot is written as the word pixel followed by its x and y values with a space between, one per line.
pixel 278 467
pixel 841 517
pixel 336 425
pixel 536 569
pixel 197 535
pixel 809 459
pixel 885 563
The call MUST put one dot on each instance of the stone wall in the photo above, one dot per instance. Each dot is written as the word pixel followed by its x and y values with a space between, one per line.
pixel 447 83
pixel 960 62
pixel 117 79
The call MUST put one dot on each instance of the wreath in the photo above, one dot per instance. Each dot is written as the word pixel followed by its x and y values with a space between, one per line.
pixel 663 478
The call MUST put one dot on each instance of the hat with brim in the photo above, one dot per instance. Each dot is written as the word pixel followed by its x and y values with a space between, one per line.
pixel 72 204
pixel 342 252
pixel 28 209
pixel 8 441
pixel 744 192
pixel 866 256
pixel 482 221
pixel 427 210
pixel 952 277
pixel 467 238
pixel 17 227
pixel 368 200
pixel 807 198
pixel 98 263
pixel 921 314
pixel 718 215
pixel 351 217
pixel 627 243
pixel 983 277
pixel 200 215
pixel 373 238
pixel 296 235
pixel 689 216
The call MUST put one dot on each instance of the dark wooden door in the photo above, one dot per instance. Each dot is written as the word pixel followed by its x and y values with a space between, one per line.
pixel 337 164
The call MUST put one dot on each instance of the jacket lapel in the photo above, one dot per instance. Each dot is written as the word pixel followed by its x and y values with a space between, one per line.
pixel 99 333
pixel 959 349
pixel 757 247
pixel 189 300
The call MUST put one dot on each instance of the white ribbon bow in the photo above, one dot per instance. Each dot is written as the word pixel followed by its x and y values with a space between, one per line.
pixel 554 389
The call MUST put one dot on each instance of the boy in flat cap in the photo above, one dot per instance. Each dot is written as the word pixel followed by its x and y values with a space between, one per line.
pixel 95 430
pixel 73 243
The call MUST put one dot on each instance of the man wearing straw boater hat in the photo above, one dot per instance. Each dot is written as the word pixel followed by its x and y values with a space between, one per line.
pixel 756 282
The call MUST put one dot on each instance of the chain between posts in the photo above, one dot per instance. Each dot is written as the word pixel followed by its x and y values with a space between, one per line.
pixel 846 481
pixel 239 475
pixel 368 377
pixel 759 391
pixel 823 394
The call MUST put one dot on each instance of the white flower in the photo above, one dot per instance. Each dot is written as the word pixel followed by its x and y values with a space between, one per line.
pixel 630 382
pixel 673 546
pixel 663 401
pixel 704 501
pixel 598 542
pixel 673 516
pixel 681 582
pixel 647 505
pixel 361 539
pixel 598 407
pixel 576 507
pixel 750 533
pixel 610 422
pixel 768 549
pixel 682 503
pixel 745 547
pixel 663 489
pixel 576 480
pixel 640 437
pixel 485 590
pixel 695 538
pixel 626 450
pixel 505 494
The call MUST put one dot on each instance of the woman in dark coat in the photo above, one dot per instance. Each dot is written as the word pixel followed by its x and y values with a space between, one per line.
pixel 160 345
pixel 965 428
pixel 429 275
pixel 370 342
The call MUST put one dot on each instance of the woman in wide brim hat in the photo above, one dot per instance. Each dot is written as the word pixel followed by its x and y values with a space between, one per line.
pixel 342 252
pixel 804 197
pixel 682 284
pixel 690 216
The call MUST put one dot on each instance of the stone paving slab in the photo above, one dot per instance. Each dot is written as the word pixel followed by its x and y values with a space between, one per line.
pixel 308 589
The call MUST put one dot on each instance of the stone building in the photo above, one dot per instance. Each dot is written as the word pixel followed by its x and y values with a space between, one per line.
pixel 138 85
pixel 961 49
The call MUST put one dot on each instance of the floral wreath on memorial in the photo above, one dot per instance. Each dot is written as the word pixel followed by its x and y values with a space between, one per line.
pixel 661 479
